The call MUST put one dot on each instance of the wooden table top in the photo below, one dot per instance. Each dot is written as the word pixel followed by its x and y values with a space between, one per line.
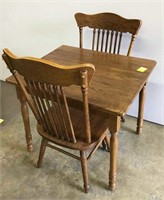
pixel 116 81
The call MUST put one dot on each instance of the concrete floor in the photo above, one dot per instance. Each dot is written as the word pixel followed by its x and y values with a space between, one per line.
pixel 140 167
pixel 9 104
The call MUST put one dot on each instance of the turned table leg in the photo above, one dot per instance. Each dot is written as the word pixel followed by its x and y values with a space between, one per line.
pixel 113 160
pixel 26 121
pixel 114 126
pixel 142 95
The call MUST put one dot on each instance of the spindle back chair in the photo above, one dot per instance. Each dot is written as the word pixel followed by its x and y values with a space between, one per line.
pixel 58 122
pixel 108 31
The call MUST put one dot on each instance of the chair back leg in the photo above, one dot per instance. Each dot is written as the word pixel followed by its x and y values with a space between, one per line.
pixel 42 151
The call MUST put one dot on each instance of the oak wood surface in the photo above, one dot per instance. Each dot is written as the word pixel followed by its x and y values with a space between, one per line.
pixel 116 81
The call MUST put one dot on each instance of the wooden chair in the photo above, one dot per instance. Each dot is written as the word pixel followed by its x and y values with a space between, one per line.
pixel 60 122
pixel 110 33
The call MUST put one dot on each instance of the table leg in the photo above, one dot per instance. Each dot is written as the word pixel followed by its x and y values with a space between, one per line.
pixel 114 126
pixel 113 160
pixel 142 95
pixel 26 121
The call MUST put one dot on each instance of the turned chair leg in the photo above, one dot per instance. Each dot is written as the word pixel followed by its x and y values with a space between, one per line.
pixel 84 166
pixel 42 151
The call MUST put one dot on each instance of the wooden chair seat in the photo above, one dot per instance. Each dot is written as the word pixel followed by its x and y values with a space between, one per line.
pixel 98 123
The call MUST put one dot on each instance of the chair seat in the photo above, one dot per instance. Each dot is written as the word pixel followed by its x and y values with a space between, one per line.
pixel 98 123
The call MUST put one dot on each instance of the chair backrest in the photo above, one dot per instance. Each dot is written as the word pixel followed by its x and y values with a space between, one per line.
pixel 44 92
pixel 108 31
